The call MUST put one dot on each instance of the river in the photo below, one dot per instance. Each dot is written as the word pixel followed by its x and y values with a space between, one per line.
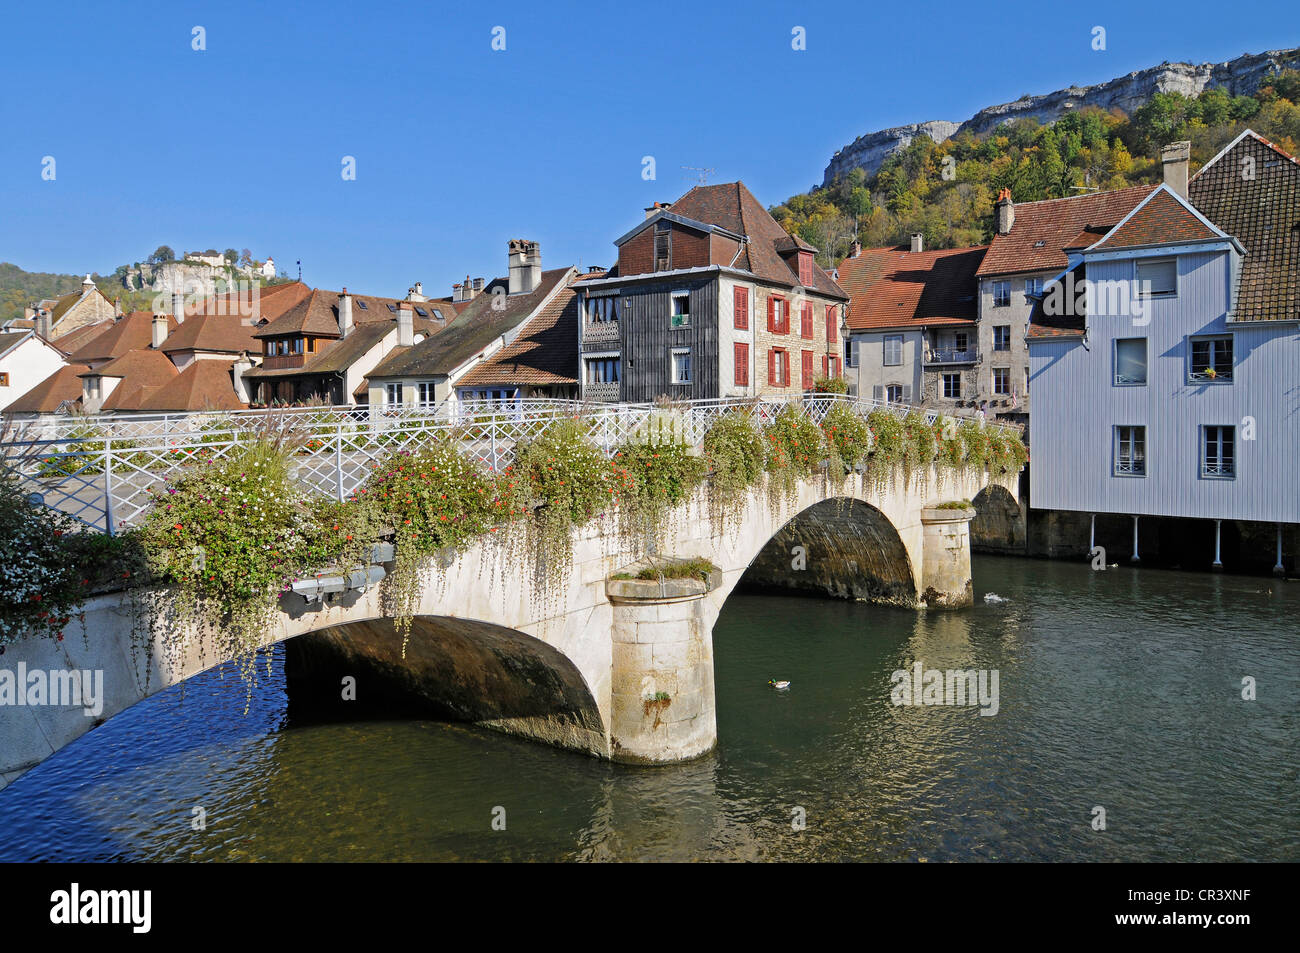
pixel 1119 689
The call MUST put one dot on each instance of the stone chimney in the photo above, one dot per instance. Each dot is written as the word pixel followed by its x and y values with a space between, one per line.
pixel 159 331
pixel 525 261
pixel 43 326
pixel 857 250
pixel 1174 157
pixel 237 371
pixel 178 306
pixel 478 287
pixel 345 314
pixel 405 324
pixel 87 284
pixel 918 242
pixel 1006 212
pixel 416 292
pixel 658 207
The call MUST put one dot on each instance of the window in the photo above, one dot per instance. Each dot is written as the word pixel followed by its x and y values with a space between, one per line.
pixel 960 341
pixel 832 325
pixel 1130 361
pixel 1002 337
pixel 1026 380
pixel 1002 380
pixel 952 386
pixel 663 246
pixel 1159 277
pixel 853 351
pixel 805 268
pixel 894 393
pixel 1033 287
pixel 1211 359
pixel 437 314
pixel 681 365
pixel 741 362
pixel 740 308
pixel 893 349
pixel 362 305
pixel 392 308
pixel 393 393
pixel 806 366
pixel 602 310
pixel 4 379
pixel 1001 294
pixel 778 367
pixel 284 347
pixel 1130 451
pixel 1218 459
pixel 806 320
pixel 603 370
pixel 297 345
pixel 680 311
pixel 421 312
pixel 425 390
pixel 778 315
pixel 831 365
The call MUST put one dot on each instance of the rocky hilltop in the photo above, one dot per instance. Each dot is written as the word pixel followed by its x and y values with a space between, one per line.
pixel 1239 77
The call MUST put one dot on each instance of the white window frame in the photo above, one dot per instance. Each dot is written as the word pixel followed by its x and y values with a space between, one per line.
pixel 1146 365
pixel 393 389
pixel 1001 293
pixel 1196 373
pixel 885 350
pixel 425 392
pixel 1006 371
pixel 890 388
pixel 1137 277
pixel 1137 450
pixel 589 359
pixel 944 379
pixel 1006 328
pixel 673 298
pixel 1033 287
pixel 1218 473
pixel 674 354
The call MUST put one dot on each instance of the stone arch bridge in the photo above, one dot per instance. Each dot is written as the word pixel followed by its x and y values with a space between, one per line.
pixel 617 668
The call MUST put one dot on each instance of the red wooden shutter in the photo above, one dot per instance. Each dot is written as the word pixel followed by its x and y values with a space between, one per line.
pixel 741 308
pixel 742 365
pixel 785 368
pixel 771 314
pixel 806 320
pixel 832 326
pixel 826 365
pixel 807 370
pixel 771 366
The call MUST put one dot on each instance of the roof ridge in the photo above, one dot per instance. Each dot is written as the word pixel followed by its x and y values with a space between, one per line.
pixel 1085 195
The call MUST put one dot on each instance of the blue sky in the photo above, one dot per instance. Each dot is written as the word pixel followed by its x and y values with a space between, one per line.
pixel 459 148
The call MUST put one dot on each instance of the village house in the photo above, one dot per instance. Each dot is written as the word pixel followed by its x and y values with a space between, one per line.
pixel 53 318
pixel 710 298
pixel 1032 243
pixel 437 369
pixel 1168 388
pixel 912 325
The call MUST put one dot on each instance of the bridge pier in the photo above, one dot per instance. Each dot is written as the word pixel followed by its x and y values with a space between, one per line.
pixel 662 700
pixel 945 557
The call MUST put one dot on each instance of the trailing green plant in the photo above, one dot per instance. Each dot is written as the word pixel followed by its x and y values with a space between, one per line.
pixel 830 385
pixel 848 435
pixel 975 440
pixel 661 474
pixel 920 444
pixel 1006 452
pixel 888 443
pixel 951 449
pixel 735 457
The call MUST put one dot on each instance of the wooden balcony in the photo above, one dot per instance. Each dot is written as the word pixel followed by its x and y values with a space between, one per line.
pixel 282 362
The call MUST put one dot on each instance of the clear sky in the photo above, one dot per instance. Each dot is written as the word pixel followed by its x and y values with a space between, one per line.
pixel 459 148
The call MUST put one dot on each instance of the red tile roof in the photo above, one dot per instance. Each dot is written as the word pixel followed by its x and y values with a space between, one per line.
pixel 45 398
pixel 128 333
pixel 76 339
pixel 205 384
pixel 1263 213
pixel 142 371
pixel 1042 230
pixel 1161 220
pixel 545 351
pixel 895 287
pixel 223 333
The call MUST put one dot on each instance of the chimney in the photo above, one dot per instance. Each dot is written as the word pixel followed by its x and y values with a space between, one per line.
pixel 345 314
pixel 117 307
pixel 478 286
pixel 178 306
pixel 405 324
pixel 1006 212
pixel 525 261
pixel 857 249
pixel 43 324
pixel 87 284
pixel 918 242
pixel 1174 157
pixel 159 330
pixel 237 376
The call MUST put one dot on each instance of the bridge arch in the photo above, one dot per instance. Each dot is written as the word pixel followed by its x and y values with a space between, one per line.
pixel 999 522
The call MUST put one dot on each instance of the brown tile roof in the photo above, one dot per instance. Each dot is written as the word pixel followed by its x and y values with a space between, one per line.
pixel 472 330
pixel 1160 220
pixel 339 355
pixel 734 207
pixel 271 302
pixel 142 371
pixel 1042 230
pixel 205 384
pixel 318 313
pixel 45 398
pixel 75 340
pixel 545 352
pixel 1263 213
pixel 894 287
pixel 224 333
pixel 131 331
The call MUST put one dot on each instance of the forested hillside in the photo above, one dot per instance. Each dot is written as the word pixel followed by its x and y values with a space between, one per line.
pixel 946 191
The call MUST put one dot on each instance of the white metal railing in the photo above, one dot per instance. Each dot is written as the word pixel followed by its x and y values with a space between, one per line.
pixel 100 469
pixel 950 355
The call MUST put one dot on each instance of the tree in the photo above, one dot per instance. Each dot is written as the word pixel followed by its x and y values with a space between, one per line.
pixel 245 257
pixel 161 254
pixel 230 255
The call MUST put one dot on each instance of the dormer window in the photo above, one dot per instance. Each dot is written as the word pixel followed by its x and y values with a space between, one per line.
pixel 805 268
pixel 663 246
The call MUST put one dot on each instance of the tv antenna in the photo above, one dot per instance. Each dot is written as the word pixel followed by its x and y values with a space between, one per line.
pixel 1087 177
pixel 703 173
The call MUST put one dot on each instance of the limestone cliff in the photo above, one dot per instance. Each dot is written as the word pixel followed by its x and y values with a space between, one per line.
pixel 1239 77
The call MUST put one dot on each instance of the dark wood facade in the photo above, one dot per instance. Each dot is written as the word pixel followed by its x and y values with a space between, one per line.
pixel 647 339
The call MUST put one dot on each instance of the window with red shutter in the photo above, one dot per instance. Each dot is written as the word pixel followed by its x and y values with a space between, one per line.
pixel 826 365
pixel 805 268
pixel 832 326
pixel 807 370
pixel 771 366
pixel 771 314
pixel 806 320
pixel 741 361
pixel 741 307
pixel 785 368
